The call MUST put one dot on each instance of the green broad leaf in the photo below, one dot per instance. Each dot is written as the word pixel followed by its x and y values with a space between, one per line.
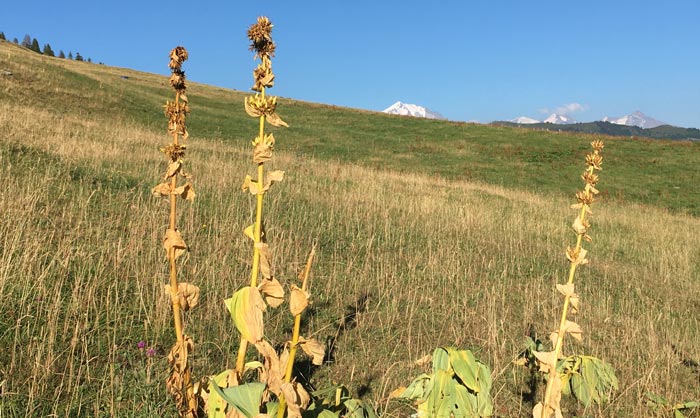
pixel 465 367
pixel 690 405
pixel 252 365
pixel 442 397
pixel 216 405
pixel 271 408
pixel 580 389
pixel 441 359
pixel 466 404
pixel 419 388
pixel 245 398
pixel 355 408
pixel 326 414
pixel 483 397
pixel 656 399
pixel 678 414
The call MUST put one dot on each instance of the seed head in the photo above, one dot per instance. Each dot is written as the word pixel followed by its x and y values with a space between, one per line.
pixel 590 178
pixel 598 145
pixel 585 198
pixel 594 160
pixel 177 56
pixel 260 35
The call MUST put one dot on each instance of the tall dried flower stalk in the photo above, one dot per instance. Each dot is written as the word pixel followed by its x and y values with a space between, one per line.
pixel 261 107
pixel 183 295
pixel 576 256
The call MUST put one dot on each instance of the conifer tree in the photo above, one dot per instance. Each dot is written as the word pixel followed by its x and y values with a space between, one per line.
pixel 70 55
pixel 26 41
pixel 2 36
pixel 61 54
pixel 15 40
pixel 48 51
pixel 35 46
pixel 78 57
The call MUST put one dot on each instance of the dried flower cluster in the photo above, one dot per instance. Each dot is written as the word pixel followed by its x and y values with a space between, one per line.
pixel 577 256
pixel 183 296
pixel 177 111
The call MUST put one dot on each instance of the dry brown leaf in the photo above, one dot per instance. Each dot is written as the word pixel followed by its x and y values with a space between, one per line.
pixel 313 349
pixel 265 257
pixel 250 185
pixel 253 316
pixel 186 191
pixel 273 177
pixel 187 295
pixel 262 153
pixel 272 291
pixel 574 330
pixel 275 120
pixel 173 168
pixel 163 189
pixel 273 373
pixel 578 226
pixel 173 240
pixel 573 301
pixel 426 359
pixel 297 399
pixel 553 337
pixel 546 360
pixel 298 300
pixel 566 289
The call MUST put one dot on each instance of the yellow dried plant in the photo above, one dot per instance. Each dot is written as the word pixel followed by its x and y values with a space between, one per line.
pixel 183 296
pixel 548 361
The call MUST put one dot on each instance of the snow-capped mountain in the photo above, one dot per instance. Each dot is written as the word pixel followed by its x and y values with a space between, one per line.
pixel 406 109
pixel 524 120
pixel 636 119
pixel 559 119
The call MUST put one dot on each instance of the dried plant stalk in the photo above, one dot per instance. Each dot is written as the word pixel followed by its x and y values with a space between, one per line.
pixel 183 295
pixel 576 256
pixel 262 107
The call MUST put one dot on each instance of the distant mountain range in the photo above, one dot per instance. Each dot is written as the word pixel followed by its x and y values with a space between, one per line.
pixel 635 119
pixel 406 109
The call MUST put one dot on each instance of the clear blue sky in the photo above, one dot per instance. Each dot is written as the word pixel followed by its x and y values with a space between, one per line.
pixel 469 60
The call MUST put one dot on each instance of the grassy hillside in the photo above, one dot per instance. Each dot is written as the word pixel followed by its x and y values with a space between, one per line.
pixel 612 129
pixel 430 233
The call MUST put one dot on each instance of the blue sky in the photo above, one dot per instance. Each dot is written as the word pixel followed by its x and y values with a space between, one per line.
pixel 468 60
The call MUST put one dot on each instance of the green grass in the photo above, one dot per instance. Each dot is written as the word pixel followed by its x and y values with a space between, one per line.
pixel 429 233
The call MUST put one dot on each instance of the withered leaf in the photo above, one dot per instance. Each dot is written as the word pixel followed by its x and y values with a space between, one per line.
pixel 566 289
pixel 313 349
pixel 573 301
pixel 173 168
pixel 273 177
pixel 545 360
pixel 187 295
pixel 173 240
pixel 250 185
pixel 163 189
pixel 297 399
pixel 262 153
pixel 578 226
pixel 298 300
pixel 573 329
pixel 186 191
pixel 275 120
pixel 272 291
pixel 246 308
pixel 274 367
pixel 265 257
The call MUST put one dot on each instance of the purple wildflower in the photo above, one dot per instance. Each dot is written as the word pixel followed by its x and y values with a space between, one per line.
pixel 141 345
pixel 150 352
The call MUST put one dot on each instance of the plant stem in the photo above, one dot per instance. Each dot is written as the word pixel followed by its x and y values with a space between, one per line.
pixel 295 335
pixel 562 322
pixel 174 286
pixel 257 236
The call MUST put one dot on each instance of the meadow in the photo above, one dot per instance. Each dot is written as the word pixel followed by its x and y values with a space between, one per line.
pixel 428 234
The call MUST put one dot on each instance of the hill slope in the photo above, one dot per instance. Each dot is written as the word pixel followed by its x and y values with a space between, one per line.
pixel 406 261
pixel 660 173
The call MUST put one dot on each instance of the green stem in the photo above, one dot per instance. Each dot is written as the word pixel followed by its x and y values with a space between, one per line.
pixel 257 237
pixel 295 336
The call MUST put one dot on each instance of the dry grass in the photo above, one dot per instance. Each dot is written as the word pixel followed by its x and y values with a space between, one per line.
pixel 405 263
